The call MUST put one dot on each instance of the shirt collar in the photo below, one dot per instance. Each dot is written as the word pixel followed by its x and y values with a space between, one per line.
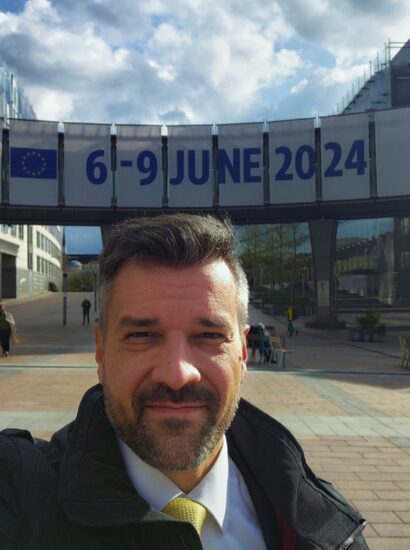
pixel 158 490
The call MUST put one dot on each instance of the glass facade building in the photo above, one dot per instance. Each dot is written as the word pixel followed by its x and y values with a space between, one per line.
pixel 373 256
pixel 13 101
pixel 31 255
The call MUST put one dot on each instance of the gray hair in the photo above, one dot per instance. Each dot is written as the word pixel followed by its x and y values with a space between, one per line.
pixel 176 240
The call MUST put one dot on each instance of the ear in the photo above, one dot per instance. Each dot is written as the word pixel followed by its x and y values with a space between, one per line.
pixel 244 357
pixel 99 352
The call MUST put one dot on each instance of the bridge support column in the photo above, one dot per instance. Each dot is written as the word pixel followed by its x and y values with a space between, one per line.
pixel 323 241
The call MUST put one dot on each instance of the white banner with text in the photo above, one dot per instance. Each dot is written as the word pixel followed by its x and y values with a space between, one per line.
pixel 87 164
pixel 139 176
pixel 190 177
pixel 33 166
pixel 292 161
pixel 240 164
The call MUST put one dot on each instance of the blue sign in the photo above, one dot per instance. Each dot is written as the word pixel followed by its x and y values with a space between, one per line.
pixel 33 163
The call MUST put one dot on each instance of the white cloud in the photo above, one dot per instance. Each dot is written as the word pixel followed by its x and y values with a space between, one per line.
pixel 191 61
pixel 299 86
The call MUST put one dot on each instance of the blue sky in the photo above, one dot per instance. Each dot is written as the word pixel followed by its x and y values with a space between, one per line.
pixel 190 61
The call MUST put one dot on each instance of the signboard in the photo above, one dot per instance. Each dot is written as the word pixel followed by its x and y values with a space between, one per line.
pixel 392 152
pixel 87 164
pixel 33 165
pixel 190 177
pixel 292 161
pixel 139 179
pixel 240 164
pixel 345 157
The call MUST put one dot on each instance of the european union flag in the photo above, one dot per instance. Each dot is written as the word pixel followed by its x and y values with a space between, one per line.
pixel 33 163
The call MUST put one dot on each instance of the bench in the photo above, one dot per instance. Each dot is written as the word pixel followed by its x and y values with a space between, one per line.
pixel 405 352
pixel 279 351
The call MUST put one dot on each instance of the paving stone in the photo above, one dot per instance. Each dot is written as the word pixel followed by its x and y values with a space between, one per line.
pixel 394 543
pixel 376 516
pixel 392 530
pixel 349 406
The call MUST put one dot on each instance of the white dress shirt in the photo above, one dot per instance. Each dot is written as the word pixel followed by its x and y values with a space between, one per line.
pixel 231 522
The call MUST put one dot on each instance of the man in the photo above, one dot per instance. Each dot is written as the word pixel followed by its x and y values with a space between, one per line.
pixel 86 306
pixel 167 420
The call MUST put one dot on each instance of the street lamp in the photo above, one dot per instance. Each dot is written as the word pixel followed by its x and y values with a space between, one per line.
pixel 65 274
pixel 95 290
pixel 94 271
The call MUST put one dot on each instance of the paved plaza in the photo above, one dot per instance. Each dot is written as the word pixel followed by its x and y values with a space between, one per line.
pixel 347 403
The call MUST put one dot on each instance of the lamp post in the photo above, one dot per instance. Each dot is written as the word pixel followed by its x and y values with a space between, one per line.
pixel 303 271
pixel 94 271
pixel 65 274
pixel 95 291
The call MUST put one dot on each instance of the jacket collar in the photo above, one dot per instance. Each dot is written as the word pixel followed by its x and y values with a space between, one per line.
pixel 91 463
pixel 270 457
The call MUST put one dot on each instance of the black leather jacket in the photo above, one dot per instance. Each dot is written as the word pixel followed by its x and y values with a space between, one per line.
pixel 74 494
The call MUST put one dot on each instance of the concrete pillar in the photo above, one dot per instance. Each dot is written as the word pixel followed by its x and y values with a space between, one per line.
pixel 323 241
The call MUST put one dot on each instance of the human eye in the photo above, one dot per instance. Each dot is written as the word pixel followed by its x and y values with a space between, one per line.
pixel 212 336
pixel 139 336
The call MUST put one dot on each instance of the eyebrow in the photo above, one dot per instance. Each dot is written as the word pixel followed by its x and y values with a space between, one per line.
pixel 144 322
pixel 212 323
pixel 138 322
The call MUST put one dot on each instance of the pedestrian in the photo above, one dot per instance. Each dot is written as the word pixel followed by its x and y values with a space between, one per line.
pixel 7 325
pixel 86 306
pixel 292 330
pixel 164 453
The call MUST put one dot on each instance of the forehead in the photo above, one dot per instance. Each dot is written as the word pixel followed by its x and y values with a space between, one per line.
pixel 151 286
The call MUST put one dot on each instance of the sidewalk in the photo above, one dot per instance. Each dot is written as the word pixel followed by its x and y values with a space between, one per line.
pixel 348 403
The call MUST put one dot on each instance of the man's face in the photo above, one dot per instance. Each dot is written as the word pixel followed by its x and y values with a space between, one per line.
pixel 171 360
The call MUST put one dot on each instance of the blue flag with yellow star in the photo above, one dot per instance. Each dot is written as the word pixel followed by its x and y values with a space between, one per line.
pixel 33 163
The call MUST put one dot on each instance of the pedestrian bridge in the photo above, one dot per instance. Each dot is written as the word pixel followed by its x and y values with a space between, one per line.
pixel 338 167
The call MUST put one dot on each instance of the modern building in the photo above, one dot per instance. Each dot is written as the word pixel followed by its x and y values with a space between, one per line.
pixel 373 256
pixel 13 101
pixel 30 256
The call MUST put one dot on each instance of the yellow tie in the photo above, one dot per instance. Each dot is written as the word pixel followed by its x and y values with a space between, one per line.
pixel 187 510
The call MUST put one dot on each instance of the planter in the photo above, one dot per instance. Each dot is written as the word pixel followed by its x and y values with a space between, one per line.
pixel 360 334
pixel 354 334
pixel 366 336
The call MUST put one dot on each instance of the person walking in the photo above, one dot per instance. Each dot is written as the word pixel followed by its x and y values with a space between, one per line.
pixel 86 306
pixel 7 324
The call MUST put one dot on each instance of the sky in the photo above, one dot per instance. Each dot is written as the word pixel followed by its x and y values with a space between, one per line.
pixel 192 61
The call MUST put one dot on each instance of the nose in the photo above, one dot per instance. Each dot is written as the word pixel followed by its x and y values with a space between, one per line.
pixel 175 366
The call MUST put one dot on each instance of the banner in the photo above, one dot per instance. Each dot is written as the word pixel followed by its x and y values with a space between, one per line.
pixel 292 161
pixel 87 164
pixel 140 179
pixel 33 163
pixel 240 164
pixel 392 152
pixel 190 177
pixel 345 157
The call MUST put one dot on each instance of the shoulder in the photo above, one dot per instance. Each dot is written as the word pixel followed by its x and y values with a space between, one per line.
pixel 20 452
pixel 28 487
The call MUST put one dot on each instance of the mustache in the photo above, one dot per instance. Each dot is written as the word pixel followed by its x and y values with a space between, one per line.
pixel 189 394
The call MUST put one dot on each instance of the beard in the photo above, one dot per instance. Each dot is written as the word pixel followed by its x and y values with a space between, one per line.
pixel 171 444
